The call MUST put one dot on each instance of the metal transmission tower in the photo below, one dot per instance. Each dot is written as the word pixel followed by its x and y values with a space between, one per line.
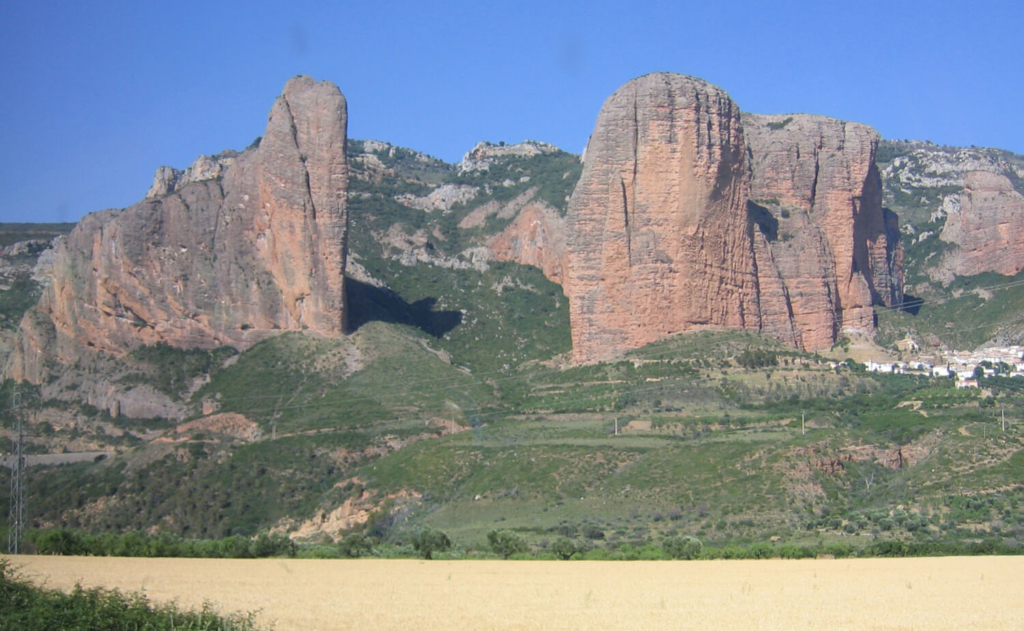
pixel 17 516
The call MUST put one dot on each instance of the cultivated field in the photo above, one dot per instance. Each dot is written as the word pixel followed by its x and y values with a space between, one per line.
pixel 932 593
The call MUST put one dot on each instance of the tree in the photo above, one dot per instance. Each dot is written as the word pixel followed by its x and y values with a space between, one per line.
pixel 272 545
pixel 682 547
pixel 428 540
pixel 564 547
pixel 506 543
pixel 63 542
pixel 354 546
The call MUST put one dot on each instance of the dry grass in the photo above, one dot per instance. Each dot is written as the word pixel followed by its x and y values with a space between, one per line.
pixel 933 593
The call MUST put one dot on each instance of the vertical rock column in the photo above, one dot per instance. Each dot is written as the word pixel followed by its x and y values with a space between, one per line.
pixel 657 230
pixel 303 184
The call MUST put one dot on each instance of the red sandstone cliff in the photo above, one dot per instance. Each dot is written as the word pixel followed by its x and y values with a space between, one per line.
pixel 988 228
pixel 657 230
pixel 535 237
pixel 660 237
pixel 822 232
pixel 229 260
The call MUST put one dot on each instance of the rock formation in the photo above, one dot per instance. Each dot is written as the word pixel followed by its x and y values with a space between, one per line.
pixel 535 237
pixel 484 154
pixel 657 229
pixel 822 231
pixel 229 258
pixel 661 237
pixel 988 227
pixel 168 179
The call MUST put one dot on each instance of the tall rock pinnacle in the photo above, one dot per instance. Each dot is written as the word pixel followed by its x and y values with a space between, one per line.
pixel 817 199
pixel 657 229
pixel 256 248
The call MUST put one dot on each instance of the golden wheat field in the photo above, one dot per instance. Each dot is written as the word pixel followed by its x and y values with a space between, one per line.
pixel 932 593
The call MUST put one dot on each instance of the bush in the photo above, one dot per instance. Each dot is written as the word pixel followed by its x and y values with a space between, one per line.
pixel 590 531
pixel 60 542
pixel 26 607
pixel 564 548
pixel 790 551
pixel 682 547
pixel 272 545
pixel 427 541
pixel 354 546
pixel 506 543
pixel 760 551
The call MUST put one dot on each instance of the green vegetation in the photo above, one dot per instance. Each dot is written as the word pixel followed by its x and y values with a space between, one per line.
pixel 682 547
pixel 11 233
pixel 139 544
pixel 506 543
pixel 709 446
pixel 173 370
pixel 776 126
pixel 26 607
pixel 15 301
pixel 427 541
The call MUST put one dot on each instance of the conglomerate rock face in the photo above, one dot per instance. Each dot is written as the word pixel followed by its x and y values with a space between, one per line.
pixel 222 260
pixel 657 232
pixel 821 229
pixel 535 237
pixel 988 227
pixel 689 215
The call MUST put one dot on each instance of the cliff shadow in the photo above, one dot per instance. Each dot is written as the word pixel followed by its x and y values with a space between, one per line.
pixel 910 304
pixel 367 303
pixel 763 219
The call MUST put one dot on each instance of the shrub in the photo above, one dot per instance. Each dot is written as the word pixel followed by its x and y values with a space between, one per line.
pixel 272 545
pixel 591 531
pixel 60 542
pixel 564 547
pixel 682 547
pixel 506 543
pixel 26 607
pixel 427 541
pixel 354 546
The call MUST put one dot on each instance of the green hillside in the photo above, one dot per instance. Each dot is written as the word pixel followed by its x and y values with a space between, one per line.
pixel 452 405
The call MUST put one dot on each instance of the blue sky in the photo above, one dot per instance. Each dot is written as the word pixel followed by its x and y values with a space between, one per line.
pixel 96 97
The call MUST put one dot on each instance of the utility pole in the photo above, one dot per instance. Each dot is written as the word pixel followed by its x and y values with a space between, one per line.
pixel 803 428
pixel 1002 411
pixel 16 519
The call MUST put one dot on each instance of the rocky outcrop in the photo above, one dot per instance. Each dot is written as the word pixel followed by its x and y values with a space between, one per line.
pixel 219 260
pixel 168 180
pixel 987 226
pixel 821 229
pixel 441 198
pixel 657 230
pixel 484 154
pixel 535 237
